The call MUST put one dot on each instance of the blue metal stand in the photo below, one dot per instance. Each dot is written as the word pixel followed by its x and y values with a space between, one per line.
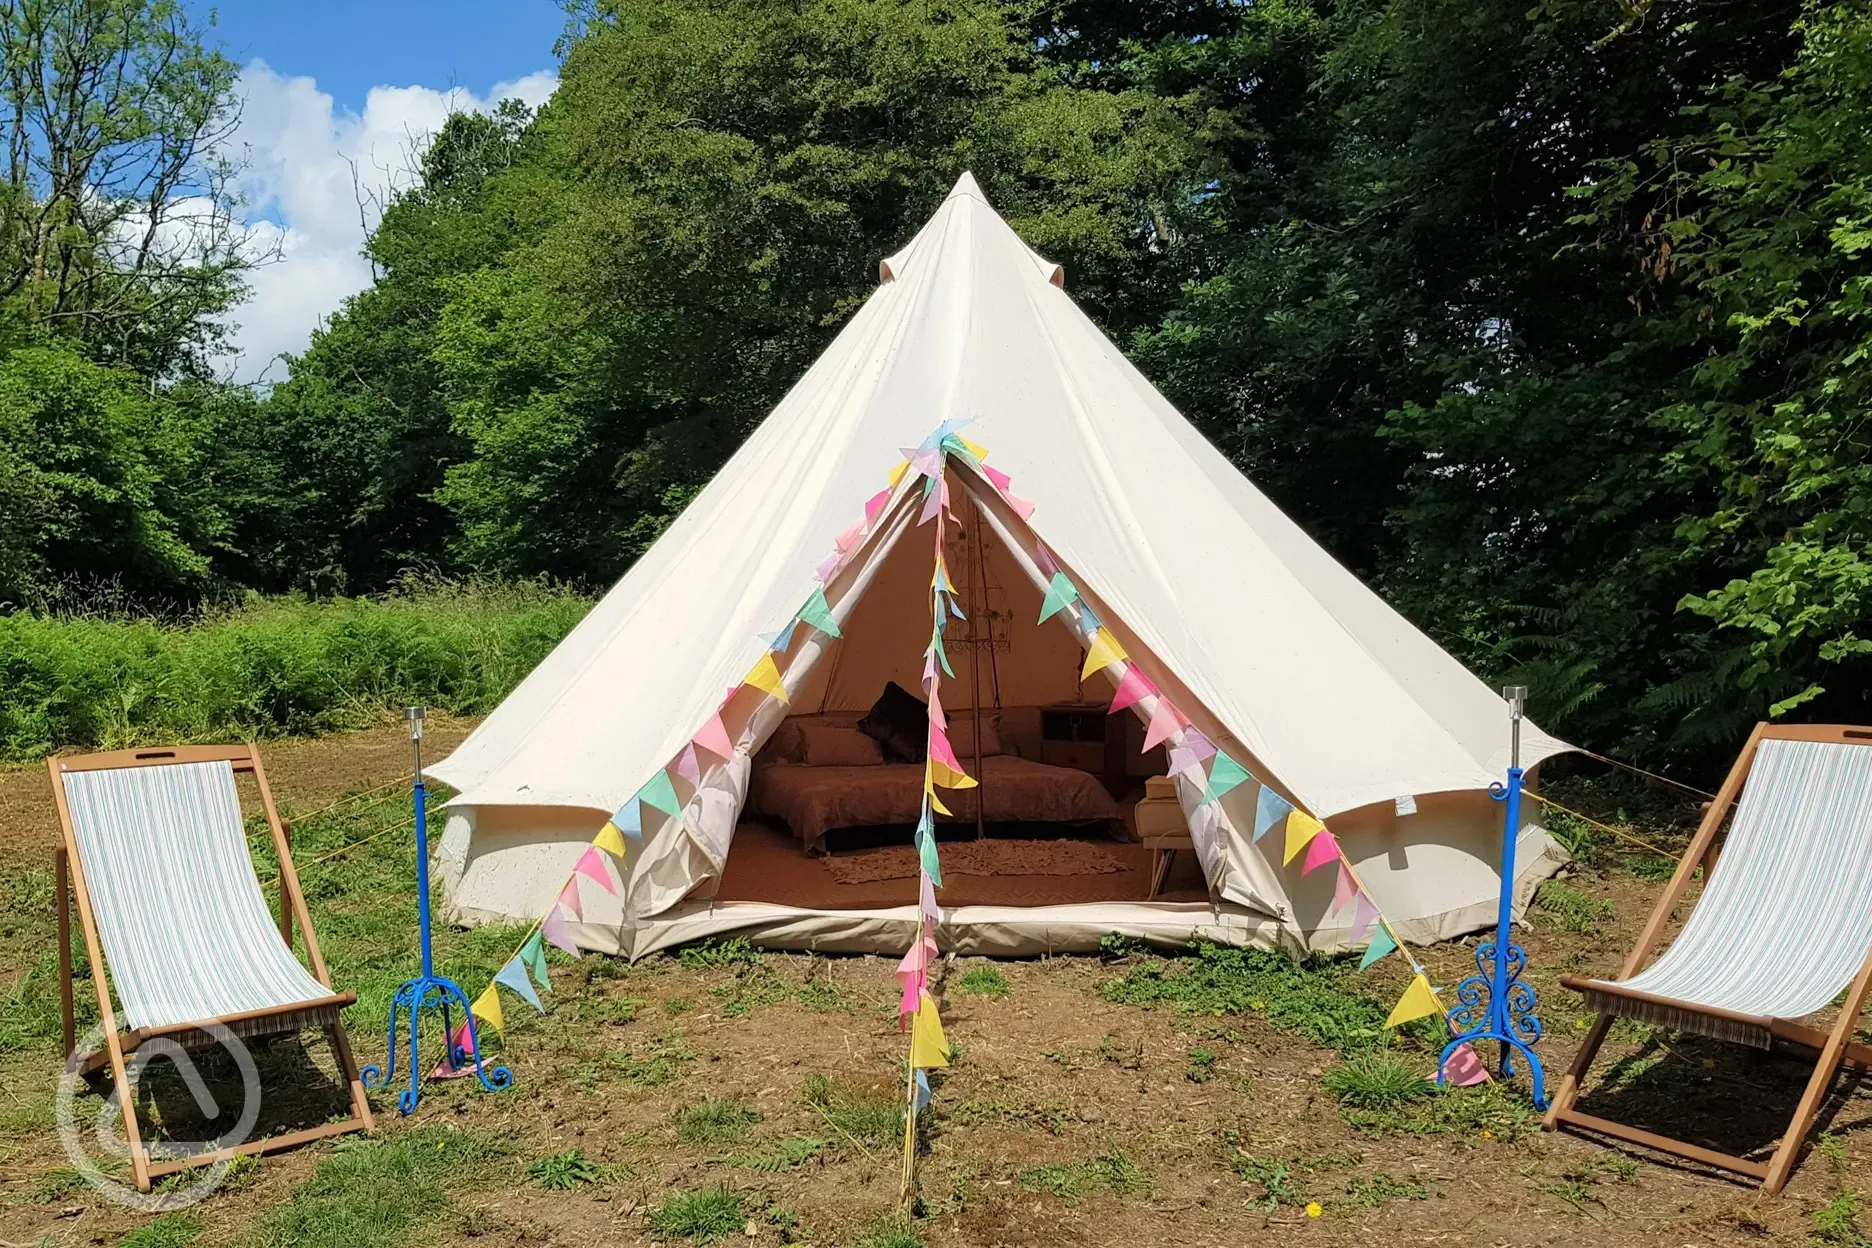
pixel 429 991
pixel 1495 1004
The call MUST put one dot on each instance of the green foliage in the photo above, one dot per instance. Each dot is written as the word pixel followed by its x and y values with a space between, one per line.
pixel 270 667
pixel 700 1216
pixel 1112 1172
pixel 373 1192
pixel 1484 1111
pixel 715 1121
pixel 169 1230
pixel 1378 1079
pixel 561 1172
pixel 1837 1222
pixel 787 1153
pixel 1202 1066
pixel 855 1114
pixel 1381 1189
pixel 1114 946
pixel 1570 910
pixel 984 981
pixel 718 952
pixel 891 1234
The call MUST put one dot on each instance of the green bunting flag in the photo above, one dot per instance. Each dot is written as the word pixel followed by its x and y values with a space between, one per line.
pixel 818 613
pixel 926 851
pixel 1381 945
pixel 1059 594
pixel 533 953
pixel 1224 774
pixel 661 794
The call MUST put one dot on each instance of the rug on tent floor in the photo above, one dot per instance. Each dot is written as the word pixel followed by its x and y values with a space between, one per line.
pixel 990 857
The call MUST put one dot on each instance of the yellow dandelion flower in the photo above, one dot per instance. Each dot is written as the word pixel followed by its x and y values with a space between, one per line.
pixel 1313 1209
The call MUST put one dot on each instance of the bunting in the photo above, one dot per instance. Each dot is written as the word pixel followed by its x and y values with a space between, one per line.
pixel 611 840
pixel 660 793
pixel 818 613
pixel 487 1008
pixel 513 977
pixel 1101 654
pixel 1132 686
pixel 1270 809
pixel 765 676
pixel 714 738
pixel 1419 1001
pixel 1301 829
pixel 533 953
pixel 592 867
pixel 1060 593
pixel 1225 774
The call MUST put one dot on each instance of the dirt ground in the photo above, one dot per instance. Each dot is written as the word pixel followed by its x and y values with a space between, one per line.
pixel 1067 1118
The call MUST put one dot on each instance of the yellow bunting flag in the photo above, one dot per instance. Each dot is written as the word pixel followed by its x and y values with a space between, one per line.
pixel 1417 1002
pixel 927 1045
pixel 610 840
pixel 487 1008
pixel 1103 652
pixel 1301 829
pixel 765 677
pixel 936 802
pixel 947 776
pixel 896 474
pixel 979 452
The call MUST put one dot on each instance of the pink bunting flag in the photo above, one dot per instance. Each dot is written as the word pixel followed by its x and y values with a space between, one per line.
pixel 925 462
pixel 569 898
pixel 927 900
pixel 558 932
pixel 936 716
pixel 827 567
pixel 714 738
pixel 875 505
pixel 1182 759
pixel 1345 890
pixel 1196 742
pixel 1464 1068
pixel 1164 720
pixel 1131 686
pixel 912 994
pixel 446 1069
pixel 849 538
pixel 591 865
pixel 929 669
pixel 1000 479
pixel 1019 506
pixel 1043 559
pixel 687 767
pixel 1364 914
pixel 1321 850
pixel 941 750
pixel 931 505
pixel 917 961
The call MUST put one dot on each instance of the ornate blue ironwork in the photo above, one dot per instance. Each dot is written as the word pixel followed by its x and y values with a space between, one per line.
pixel 429 991
pixel 1495 1004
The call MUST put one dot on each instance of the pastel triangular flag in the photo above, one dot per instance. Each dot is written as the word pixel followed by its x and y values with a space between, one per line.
pixel 979 451
pixel 1019 506
pixel 1224 775
pixel 714 738
pixel 1364 914
pixel 1131 686
pixel 513 977
pixel 1382 945
pixel 660 793
pixel 778 640
pixel 922 1100
pixel 848 538
pixel 591 865
pixel 907 1000
pixel 1323 849
pixel 1270 809
pixel 948 777
pixel 1088 618
pixel 940 749
pixel 926 899
pixel 558 932
pixel 939 577
pixel 818 613
pixel 936 715
pixel 1345 890
pixel 875 504
pixel 1043 559
pixel 927 460
pixel 1059 593
pixel 918 959
pixel 533 953
pixel 934 801
pixel 1182 758
pixel 955 608
pixel 927 1046
pixel 999 479
pixel 1301 829
pixel 487 1008
pixel 460 1042
pixel 926 855
pixel 1417 1002
pixel 611 840
pixel 932 503
pixel 687 767
pixel 569 898
pixel 1164 722
pixel 629 819
pixel 1197 743
pixel 827 566
pixel 1464 1069
pixel 897 473
pixel 765 676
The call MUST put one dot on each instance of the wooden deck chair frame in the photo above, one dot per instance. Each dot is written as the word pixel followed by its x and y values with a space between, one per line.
pixel 118 1047
pixel 1830 1050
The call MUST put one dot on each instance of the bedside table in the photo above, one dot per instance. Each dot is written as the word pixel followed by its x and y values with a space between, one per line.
pixel 1082 735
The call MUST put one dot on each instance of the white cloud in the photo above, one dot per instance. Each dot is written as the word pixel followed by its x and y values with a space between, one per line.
pixel 301 195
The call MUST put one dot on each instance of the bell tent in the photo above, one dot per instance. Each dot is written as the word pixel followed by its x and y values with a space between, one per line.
pixel 970 438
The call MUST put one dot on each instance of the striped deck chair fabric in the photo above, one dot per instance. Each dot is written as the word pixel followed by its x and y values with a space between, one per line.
pixel 1785 920
pixel 185 929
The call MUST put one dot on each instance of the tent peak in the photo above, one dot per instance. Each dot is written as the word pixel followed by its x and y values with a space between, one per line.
pixel 938 232
pixel 966 185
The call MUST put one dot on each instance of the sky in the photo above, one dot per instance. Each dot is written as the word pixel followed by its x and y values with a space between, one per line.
pixel 324 84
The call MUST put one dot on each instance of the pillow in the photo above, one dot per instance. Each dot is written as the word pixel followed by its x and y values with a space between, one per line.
pixel 899 722
pixel 785 745
pixel 837 745
pixel 962 735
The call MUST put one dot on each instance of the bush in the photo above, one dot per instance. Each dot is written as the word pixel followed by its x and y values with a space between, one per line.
pixel 272 667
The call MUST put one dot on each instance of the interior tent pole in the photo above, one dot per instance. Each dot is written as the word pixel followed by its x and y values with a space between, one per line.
pixel 1497 1004
pixel 972 556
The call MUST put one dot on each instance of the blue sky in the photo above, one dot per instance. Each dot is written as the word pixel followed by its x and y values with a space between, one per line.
pixel 332 86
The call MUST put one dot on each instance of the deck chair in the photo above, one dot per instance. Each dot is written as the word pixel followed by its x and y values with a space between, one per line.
pixel 156 857
pixel 1784 923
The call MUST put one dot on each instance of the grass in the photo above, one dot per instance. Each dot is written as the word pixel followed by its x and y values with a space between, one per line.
pixel 1110 1172
pixel 170 1230
pixel 1570 910
pixel 789 1153
pixel 1486 1111
pixel 894 1233
pixel 984 981
pixel 1381 1189
pixel 269 667
pixel 1379 1079
pixel 709 1214
pixel 374 1192
pixel 855 1114
pixel 561 1172
pixel 715 1121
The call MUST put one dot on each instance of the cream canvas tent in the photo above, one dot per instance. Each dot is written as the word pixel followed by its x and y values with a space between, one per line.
pixel 1277 653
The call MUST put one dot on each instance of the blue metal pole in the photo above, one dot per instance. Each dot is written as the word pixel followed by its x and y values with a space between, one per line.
pixel 422 869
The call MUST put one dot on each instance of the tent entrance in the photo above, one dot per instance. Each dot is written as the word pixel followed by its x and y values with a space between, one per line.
pixel 830 814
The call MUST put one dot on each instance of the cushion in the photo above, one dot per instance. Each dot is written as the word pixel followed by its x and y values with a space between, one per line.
pixel 837 745
pixel 962 735
pixel 899 722
pixel 785 745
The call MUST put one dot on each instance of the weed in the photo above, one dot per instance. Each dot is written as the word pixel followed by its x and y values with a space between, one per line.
pixel 1305 998
pixel 1652 868
pixel 715 1121
pixel 1570 910
pixel 561 1172
pixel 984 981
pixel 1379 1079
pixel 752 988
pixel 856 1115
pixel 677 1005
pixel 1485 1110
pixel 371 1193
pixel 1274 1175
pixel 1127 1057
pixel 1837 1222
pixel 823 995
pixel 708 1214
pixel 654 1062
pixel 1114 946
pixel 895 1233
pixel 1202 1066
pixel 1832 1148
pixel 613 1010
pixel 784 1154
pixel 1111 1172
pixel 171 1230
pixel 1381 1189
pixel 717 952
pixel 1053 1119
